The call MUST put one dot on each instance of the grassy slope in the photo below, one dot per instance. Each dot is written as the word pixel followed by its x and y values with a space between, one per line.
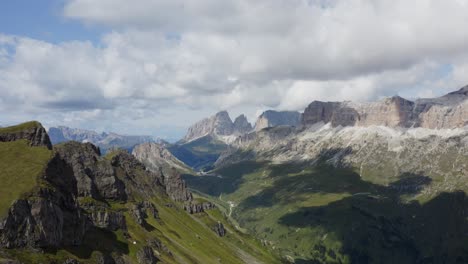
pixel 188 237
pixel 19 169
pixel 20 127
pixel 320 213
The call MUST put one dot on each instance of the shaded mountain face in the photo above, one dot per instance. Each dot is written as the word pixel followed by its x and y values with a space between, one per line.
pixel 69 204
pixel 274 118
pixel 218 125
pixel 105 141
pixel 446 112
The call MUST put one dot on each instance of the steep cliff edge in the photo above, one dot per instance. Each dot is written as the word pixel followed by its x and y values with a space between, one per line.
pixel 277 118
pixel 32 131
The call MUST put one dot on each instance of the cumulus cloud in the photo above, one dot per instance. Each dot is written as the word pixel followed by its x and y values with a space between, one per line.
pixel 201 56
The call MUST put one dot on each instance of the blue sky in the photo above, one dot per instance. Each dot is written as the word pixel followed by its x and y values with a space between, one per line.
pixel 157 66
pixel 44 20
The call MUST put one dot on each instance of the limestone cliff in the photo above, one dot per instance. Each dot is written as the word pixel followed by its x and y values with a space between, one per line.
pixel 449 111
pixel 274 118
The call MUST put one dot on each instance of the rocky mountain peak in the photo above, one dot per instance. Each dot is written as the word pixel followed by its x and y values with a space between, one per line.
pixel 272 118
pixel 241 125
pixel 219 124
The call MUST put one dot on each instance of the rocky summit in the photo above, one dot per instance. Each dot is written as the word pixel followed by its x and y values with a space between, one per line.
pixel 218 125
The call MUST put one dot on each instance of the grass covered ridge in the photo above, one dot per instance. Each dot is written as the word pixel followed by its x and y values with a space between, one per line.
pixel 20 127
pixel 20 167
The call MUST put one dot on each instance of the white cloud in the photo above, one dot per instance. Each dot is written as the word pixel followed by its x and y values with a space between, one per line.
pixel 208 55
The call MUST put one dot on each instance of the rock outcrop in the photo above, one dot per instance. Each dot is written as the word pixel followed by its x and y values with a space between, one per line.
pixel 446 112
pixel 146 256
pixel 195 208
pixel 218 125
pixel 142 210
pixel 33 131
pixel 274 118
pixel 219 229
pixel 176 188
pixel 108 219
pixel 157 157
pixel 159 160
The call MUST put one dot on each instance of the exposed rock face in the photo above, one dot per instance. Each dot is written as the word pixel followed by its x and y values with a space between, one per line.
pixel 105 141
pixel 156 157
pixel 176 188
pixel 449 111
pixel 35 133
pixel 241 125
pixel 141 210
pixel 146 256
pixel 195 208
pixel 95 179
pixel 218 125
pixel 39 222
pixel 274 118
pixel 159 160
pixel 108 220
pixel 219 229
pixel 138 180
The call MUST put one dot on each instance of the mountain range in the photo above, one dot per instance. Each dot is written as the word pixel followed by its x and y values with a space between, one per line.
pixel 68 203
pixel 341 182
pixel 105 141
pixel 377 182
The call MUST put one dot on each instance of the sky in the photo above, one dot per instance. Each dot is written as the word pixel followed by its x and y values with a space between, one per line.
pixel 156 66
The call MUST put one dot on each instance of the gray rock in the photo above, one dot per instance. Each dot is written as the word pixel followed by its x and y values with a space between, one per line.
pixel 157 157
pixel 274 118
pixel 141 210
pixel 176 188
pixel 219 229
pixel 108 219
pixel 195 208
pixel 159 246
pixel 146 256
pixel 218 125
pixel 95 178
pixel 241 125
